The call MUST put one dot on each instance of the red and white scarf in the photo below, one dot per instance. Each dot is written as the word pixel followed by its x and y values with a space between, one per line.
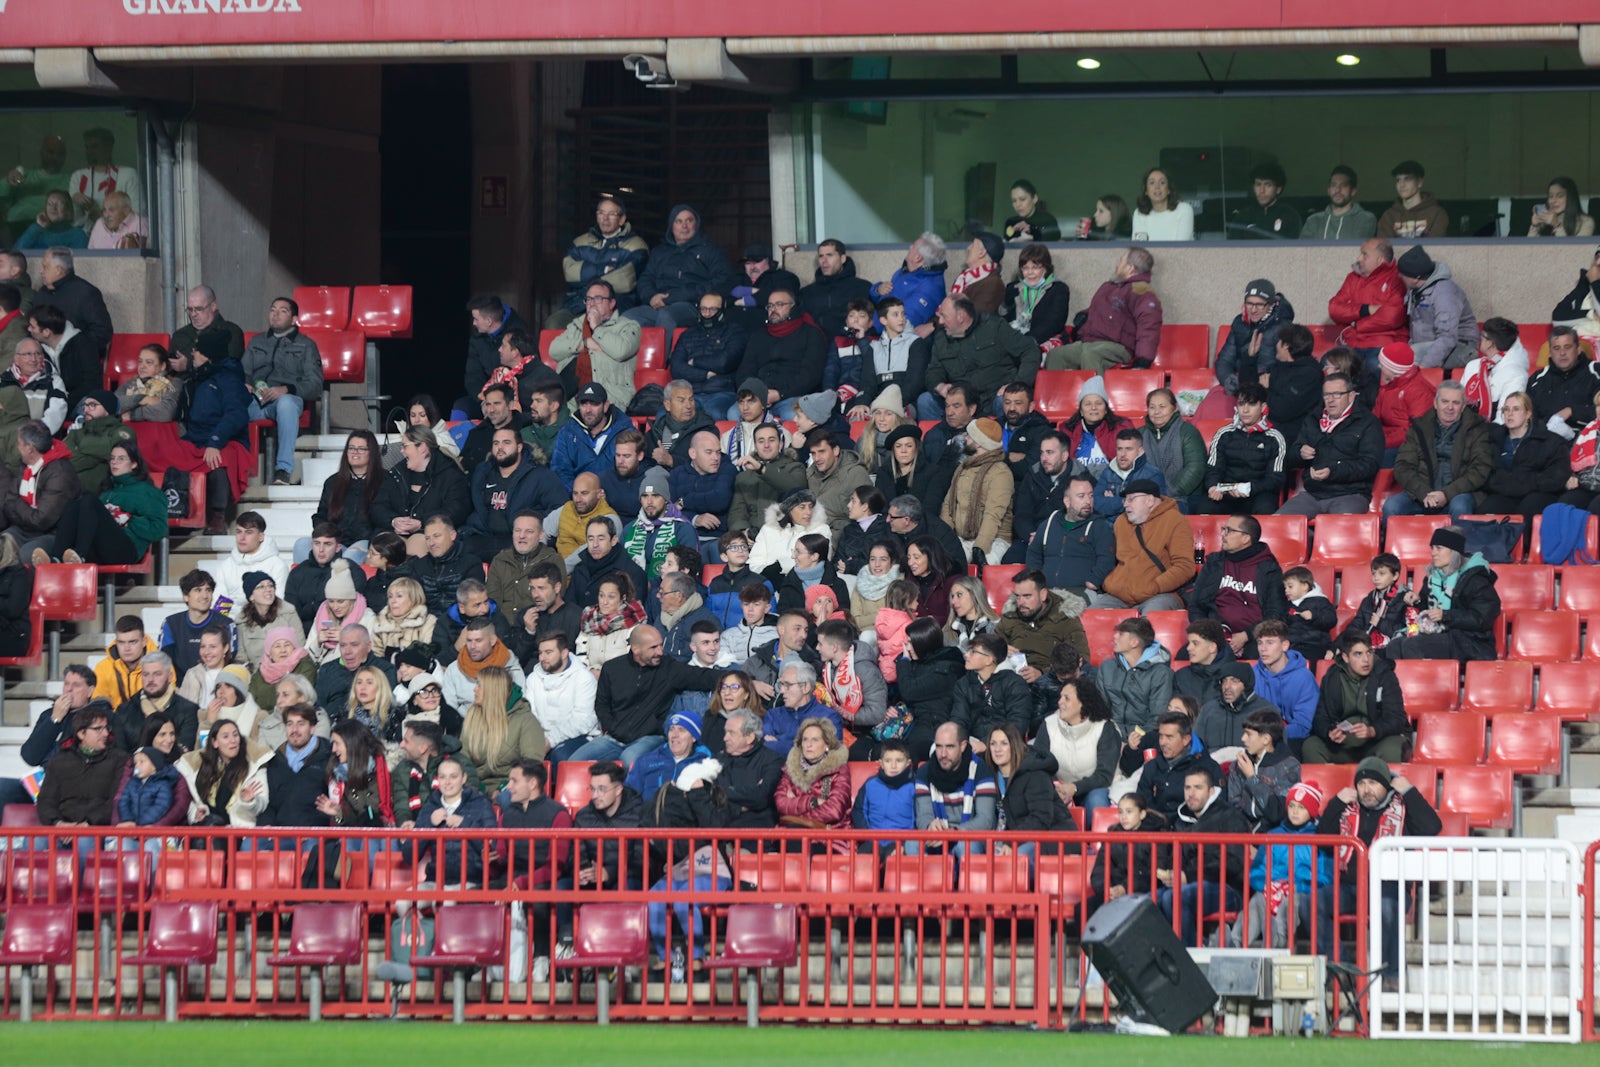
pixel 96 183
pixel 29 485
pixel 1584 448
pixel 1328 423
pixel 1476 384
pixel 844 687
pixel 972 276
pixel 1390 824
pixel 1261 425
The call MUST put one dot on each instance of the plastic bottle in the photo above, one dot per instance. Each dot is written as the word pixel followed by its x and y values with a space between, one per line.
pixel 1308 1023
pixel 679 964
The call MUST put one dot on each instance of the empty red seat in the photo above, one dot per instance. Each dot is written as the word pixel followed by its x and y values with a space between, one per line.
pixel 572 785
pixel 1571 690
pixel 1329 777
pixel 190 868
pixel 1424 776
pixel 122 358
pixel 1549 636
pixel 114 880
pixel 1055 393
pixel 997 579
pixel 1449 737
pixel 381 310
pixel 470 937
pixel 43 875
pixel 1525 586
pixel 1498 687
pixel 1407 536
pixel 1580 591
pixel 344 355
pixel 264 873
pixel 770 871
pixel 1527 744
pixel 66 591
pixel 843 876
pixel 1345 539
pixel 653 351
pixel 1486 796
pixel 181 933
pixel 1183 345
pixel 1428 684
pixel 19 815
pixel 991 875
pixel 1354 584
pixel 1172 629
pixel 37 935
pixel 1383 487
pixel 1127 389
pixel 861 772
pixel 324 935
pixel 323 307
pixel 1287 536
pixel 710 571
pixel 1064 879
pixel 1191 379
pixel 606 936
pixel 1209 428
pixel 758 935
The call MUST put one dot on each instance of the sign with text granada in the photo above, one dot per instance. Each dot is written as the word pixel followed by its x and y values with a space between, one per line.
pixel 146 23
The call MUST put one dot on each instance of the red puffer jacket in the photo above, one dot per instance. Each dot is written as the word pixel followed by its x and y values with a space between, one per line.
pixel 1408 397
pixel 1348 307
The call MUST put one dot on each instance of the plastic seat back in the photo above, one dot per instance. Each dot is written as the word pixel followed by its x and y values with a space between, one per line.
pixel 122 358
pixel 1055 393
pixel 41 876
pixel 766 932
pixel 330 933
pixel 1525 586
pixel 1345 539
pixel 1486 796
pixel 40 934
pixel 1428 684
pixel 115 879
pixel 619 931
pixel 1571 690
pixel 1530 744
pixel 66 592
pixel 1407 536
pixel 1183 345
pixel 381 310
pixel 1549 636
pixel 189 868
pixel 1127 390
pixel 1449 737
pixel 323 307
pixel 1287 536
pixel 1496 687
pixel 344 355
pixel 181 932
pixel 572 785
pixel 997 581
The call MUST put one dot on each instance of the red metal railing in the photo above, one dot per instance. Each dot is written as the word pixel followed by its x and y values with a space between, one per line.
pixel 1586 961
pixel 891 927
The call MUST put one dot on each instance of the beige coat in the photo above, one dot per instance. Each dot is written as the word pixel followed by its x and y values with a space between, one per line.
pixel 241 812
pixel 618 341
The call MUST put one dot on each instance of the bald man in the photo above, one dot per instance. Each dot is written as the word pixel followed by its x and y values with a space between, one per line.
pixel 633 696
pixel 567 525
pixel 205 318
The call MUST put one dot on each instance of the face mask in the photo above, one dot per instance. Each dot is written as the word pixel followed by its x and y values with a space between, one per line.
pixel 714 320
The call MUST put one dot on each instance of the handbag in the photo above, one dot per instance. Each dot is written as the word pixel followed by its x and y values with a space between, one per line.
pixel 895 725
pixel 1495 539
pixel 175 487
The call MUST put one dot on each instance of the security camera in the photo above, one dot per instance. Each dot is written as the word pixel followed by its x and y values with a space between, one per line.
pixel 651 71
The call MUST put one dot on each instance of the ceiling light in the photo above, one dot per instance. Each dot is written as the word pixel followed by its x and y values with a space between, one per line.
pixel 1089 63
pixel 1347 60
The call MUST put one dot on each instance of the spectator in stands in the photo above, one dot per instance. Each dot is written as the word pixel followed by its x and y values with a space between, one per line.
pixel 414 777
pixel 659 527
pixel 355 652
pixel 510 569
pixel 54 225
pixel 480 647
pixel 588 443
pixel 853 683
pixel 1500 369
pixel 867 527
pixel 53 727
pixel 1137 679
pixel 942 443
pixel 1458 604
pixel 503 485
pixel 1075 548
pixel 78 299
pixel 1403 396
pixel 423 412
pixel 1021 427
pixel 934 573
pixel 902 469
pixel 606 338
pixel 284 657
pixel 1123 326
pixel 977 348
pixel 1250 349
pixel 1128 466
pixel 1311 616
pixel 1380 804
pixel 35 496
pixel 1563 390
pixel 227 778
pixel 1580 308
pixel 491 321
pixel 498 729
pixel 522 368
pixel 1340 449
pixel 181 632
pixel 1244 465
pixel 1240 585
pixel 498 413
pixel 633 696
pixel 455 805
pixel 13 323
pixel 252 550
pixel 32 373
pixel 404 619
pixel 1036 302
pixel 814 790
pixel 702 486
pixel 1532 465
pixel 1035 619
pixel 296 776
pixel 919 283
pixel 682 610
pixel 1444 330
pixel 1371 304
pixel 1265 773
pixel 734 697
pixel 1162 779
pixel 788 355
pixel 1084 743
pixel 756 626
pixel 1213 877
pixel 663 766
pixel 92 436
pixel 1110 221
pixel 283 368
pixel 1284 679
pixel 1029 799
pixel 213 411
pixel 348 499
pixel 1361 710
pixel 986 697
pixel 156 694
pixel 608 251
pixel 1415 214
pixel 619 492
pixel 738 441
pixel 1040 488
pixel 80 782
pixel 14 272
pixel 1560 214
pixel 604 554
pixel 978 506
pixel 894 360
pixel 423 486
pixel 909 522
pixel 341 606
pixel 682 268
pixel 836 285
pixel 707 356
pixel 120 524
pixel 566 525
pixel 205 320
pixel 548 415
pixel 91 185
pixel 561 692
pixel 1266 217
pixel 1210 650
pixel 809 569
pixel 979 280
pixel 1344 219
pixel 1031 222
pixel 1161 215
pixel 1174 447
pixel 797 701
pixel 306 584
pixel 604 861
pixel 262 611
pixel 955 792
pixel 72 352
pixel 1294 383
pixel 1155 553
pixel 1222 719
pixel 835 473
pixel 1447 457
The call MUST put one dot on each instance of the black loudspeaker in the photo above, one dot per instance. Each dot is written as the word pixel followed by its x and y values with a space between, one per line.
pixel 1146 966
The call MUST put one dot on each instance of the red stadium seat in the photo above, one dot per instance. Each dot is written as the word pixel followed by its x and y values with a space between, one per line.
pixel 37 935
pixel 122 360
pixel 381 310
pixel 572 785
pixel 180 934
pixel 546 339
pixel 1383 487
pixel 1449 737
pixel 1191 379
pixel 1571 690
pixel 861 772
pixel 1065 881
pixel 1498 687
pixel 1549 636
pixel 1328 777
pixel 324 935
pixel 1209 428
pixel 758 936
pixel 608 936
pixel 265 873
pixel 1324 574
pixel 1428 684
pixel 344 355
pixel 470 937
pixel 710 571
pixel 1172 629
pixel 189 869
pixel 653 350
pixel 1055 393
pixel 1323 337
pixel 1183 345
pixel 1424 776
pixel 19 815
pixel 41 877
pixel 1345 539
pixel 771 872
pixel 1487 796
pixel 997 579
pixel 1580 592
pixel 1222 338
pixel 843 876
pixel 1528 744
pixel 323 307
pixel 989 874
pixel 1097 625
pixel 115 880
pixel 1127 390
pixel 1354 584
pixel 1525 586
pixel 1287 536
pixel 1407 536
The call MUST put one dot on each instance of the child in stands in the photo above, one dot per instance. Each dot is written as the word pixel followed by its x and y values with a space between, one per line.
pixel 1123 869
pixel 843 370
pixel 1311 615
pixel 887 801
pixel 899 608
pixel 1382 613
pixel 1283 879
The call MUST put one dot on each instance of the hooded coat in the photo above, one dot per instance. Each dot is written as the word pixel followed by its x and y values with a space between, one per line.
pixel 1401 399
pixel 1138 692
pixel 1036 637
pixel 922 291
pixel 825 299
pixel 438 488
pixel 1239 589
pixel 1444 329
pixel 685 272
pixel 988 356
pixel 1235 365
pixel 594 257
pixel 1292 690
pixel 1029 803
pixel 1221 724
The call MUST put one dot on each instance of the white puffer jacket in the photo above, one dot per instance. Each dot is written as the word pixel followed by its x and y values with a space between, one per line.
pixel 775 543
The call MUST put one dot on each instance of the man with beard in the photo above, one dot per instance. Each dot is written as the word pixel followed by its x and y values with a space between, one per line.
pixel 703 487
pixel 708 354
pixel 660 526
pixel 588 443
pixel 502 485
pixel 667 442
pixel 498 413
pixel 1021 427
pixel 826 299
pixel 568 525
pixel 549 613
pixel 1240 585
pixel 789 355
pixel 1075 548
pixel 80 782
pixel 1040 487
pixel 762 478
pixel 955 792
pixel 510 569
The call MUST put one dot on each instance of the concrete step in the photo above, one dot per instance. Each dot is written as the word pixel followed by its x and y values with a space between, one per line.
pixel 1581 829
pixel 317 469
pixel 1561 955
pixel 284 496
pixel 1495 930
pixel 1489 980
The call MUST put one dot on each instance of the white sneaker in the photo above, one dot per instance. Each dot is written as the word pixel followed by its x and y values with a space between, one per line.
pixel 541 968
pixel 564 950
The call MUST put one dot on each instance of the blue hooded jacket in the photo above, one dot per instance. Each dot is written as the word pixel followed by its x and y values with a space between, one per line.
pixel 1303 858
pixel 782 723
pixel 577 451
pixel 145 800
pixel 216 405
pixel 1293 691
pixel 921 290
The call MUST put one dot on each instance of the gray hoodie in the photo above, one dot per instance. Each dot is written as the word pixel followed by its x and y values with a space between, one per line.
pixel 1444 330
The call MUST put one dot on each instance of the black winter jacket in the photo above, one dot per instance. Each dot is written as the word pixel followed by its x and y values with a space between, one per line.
pixel 1386 703
pixel 441 488
pixel 1353 452
pixel 981 708
pixel 1553 389
pixel 703 351
pixel 1235 365
pixel 632 701
pixel 826 298
pixel 792 364
pixel 1541 464
pixel 1032 806
pixel 440 576
pixel 1238 456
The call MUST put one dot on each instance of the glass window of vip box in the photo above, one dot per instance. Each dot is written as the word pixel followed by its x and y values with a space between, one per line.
pixel 83 179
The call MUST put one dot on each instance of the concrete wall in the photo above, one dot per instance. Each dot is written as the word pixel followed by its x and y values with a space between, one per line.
pixel 1521 280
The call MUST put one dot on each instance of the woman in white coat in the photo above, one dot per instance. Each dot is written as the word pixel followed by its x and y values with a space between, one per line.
pixel 227 778
pixel 786 522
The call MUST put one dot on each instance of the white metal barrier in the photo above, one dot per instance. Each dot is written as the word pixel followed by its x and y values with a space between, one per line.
pixel 1497 945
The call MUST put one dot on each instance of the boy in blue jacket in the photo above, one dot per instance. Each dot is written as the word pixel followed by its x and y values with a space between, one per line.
pixel 888 800
pixel 1283 879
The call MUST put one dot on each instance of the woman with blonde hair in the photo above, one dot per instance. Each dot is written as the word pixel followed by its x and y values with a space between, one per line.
pixel 970 612
pixel 887 413
pixel 499 729
pixel 371 703
pixel 735 691
pixel 404 620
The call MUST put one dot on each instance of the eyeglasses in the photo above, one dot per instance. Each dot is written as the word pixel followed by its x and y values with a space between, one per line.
pixel 198 310
pixel 597 299
pixel 1232 530
pixel 729 686
pixel 899 518
pixel 357 448
pixel 1341 392
pixel 780 303
pixel 738 546
pixel 608 214
pixel 793 685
